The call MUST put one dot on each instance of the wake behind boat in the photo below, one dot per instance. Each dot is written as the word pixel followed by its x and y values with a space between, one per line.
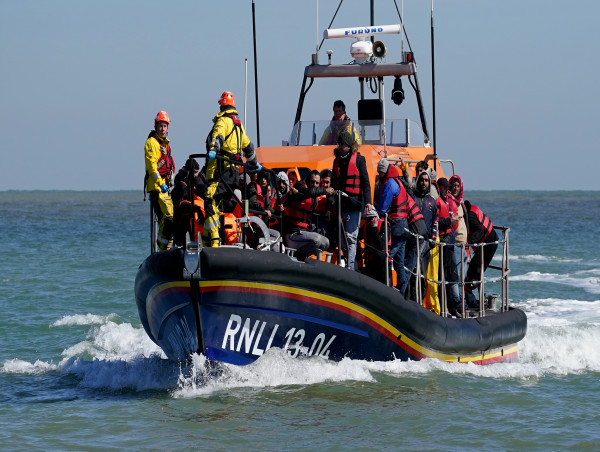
pixel 233 303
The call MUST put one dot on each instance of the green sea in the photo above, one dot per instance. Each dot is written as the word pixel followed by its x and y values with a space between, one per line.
pixel 77 371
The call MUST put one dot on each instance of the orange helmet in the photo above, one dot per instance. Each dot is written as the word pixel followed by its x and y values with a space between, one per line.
pixel 227 99
pixel 162 116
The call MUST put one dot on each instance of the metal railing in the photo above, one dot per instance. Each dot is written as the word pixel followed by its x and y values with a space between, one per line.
pixel 485 303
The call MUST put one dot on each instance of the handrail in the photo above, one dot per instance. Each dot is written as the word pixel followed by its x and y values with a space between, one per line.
pixel 442 282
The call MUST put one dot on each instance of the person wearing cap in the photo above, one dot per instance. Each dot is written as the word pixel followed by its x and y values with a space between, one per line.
pixel 227 139
pixel 157 182
pixel 339 123
pixel 350 176
pixel 393 200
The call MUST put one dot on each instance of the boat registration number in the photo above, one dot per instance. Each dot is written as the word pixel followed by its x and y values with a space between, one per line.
pixel 255 337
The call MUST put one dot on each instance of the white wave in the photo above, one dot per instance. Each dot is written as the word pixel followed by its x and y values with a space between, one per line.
pixel 539 258
pixel 590 284
pixel 112 341
pixel 558 311
pixel 274 368
pixel 113 356
pixel 561 340
pixel 84 319
pixel 18 366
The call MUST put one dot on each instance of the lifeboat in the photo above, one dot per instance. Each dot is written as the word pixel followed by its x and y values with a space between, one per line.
pixel 235 302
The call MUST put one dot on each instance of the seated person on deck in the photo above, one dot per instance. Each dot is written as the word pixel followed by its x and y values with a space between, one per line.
pixel 301 204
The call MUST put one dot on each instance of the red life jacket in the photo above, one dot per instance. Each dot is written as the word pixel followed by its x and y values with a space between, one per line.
pixel 352 182
pixel 486 223
pixel 400 203
pixel 443 212
pixel 298 213
pixel 165 164
pixel 414 213
pixel 259 195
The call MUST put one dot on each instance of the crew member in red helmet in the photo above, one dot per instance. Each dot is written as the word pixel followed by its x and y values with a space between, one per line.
pixel 226 139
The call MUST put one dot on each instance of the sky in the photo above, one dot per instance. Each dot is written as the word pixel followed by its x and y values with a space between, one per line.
pixel 517 90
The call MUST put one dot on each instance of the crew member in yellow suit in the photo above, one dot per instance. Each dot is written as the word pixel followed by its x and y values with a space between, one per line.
pixel 339 123
pixel 159 171
pixel 226 139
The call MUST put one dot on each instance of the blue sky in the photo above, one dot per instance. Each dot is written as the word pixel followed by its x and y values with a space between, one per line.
pixel 516 83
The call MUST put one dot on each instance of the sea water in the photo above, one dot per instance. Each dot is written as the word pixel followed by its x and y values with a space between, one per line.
pixel 78 372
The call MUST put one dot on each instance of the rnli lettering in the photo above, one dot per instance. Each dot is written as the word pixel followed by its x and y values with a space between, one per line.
pixel 255 337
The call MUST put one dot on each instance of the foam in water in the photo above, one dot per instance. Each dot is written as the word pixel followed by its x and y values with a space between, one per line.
pixel 538 258
pixel 561 339
pixel 587 280
pixel 87 319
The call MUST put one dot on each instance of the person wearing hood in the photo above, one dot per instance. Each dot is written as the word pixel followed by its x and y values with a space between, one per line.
pixel 427 206
pixel 282 191
pixel 393 200
pixel 157 181
pixel 226 139
pixel 419 167
pixel 283 183
pixel 350 176
pixel 460 226
pixel 450 263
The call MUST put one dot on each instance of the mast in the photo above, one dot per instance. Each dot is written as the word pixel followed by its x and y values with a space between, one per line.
pixel 433 87
pixel 255 76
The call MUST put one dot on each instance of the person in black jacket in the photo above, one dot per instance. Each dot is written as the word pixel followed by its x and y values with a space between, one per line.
pixel 351 177
pixel 481 230
pixel 181 201
pixel 428 208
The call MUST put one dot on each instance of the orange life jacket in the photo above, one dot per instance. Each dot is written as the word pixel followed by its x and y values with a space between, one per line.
pixel 197 226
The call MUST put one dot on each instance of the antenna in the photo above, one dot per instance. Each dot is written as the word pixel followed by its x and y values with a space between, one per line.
pixel 317 29
pixel 255 77
pixel 245 88
pixel 402 25
pixel 433 87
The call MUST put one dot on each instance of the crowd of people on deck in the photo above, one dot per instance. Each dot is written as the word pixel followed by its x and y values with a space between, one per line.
pixel 321 211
